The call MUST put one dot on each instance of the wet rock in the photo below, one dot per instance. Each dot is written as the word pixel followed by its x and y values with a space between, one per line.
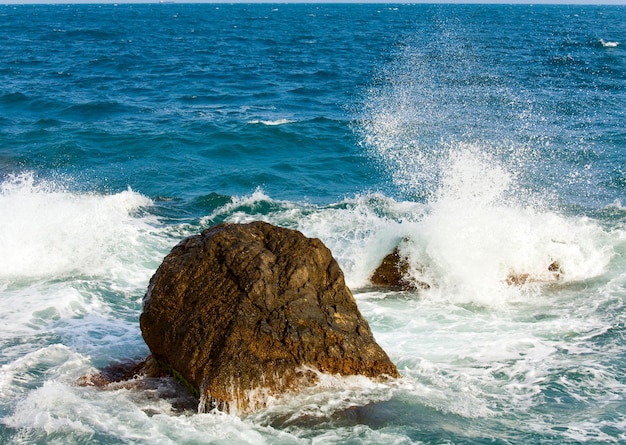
pixel 555 269
pixel 393 272
pixel 553 273
pixel 240 312
pixel 517 279
pixel 147 380
pixel 122 372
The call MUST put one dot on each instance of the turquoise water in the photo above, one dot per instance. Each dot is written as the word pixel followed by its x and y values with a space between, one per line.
pixel 487 141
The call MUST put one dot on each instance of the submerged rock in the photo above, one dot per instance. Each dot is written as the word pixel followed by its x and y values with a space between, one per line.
pixel 145 378
pixel 240 312
pixel 553 273
pixel 117 373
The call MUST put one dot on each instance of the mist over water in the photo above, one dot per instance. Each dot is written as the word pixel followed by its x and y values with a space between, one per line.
pixel 432 100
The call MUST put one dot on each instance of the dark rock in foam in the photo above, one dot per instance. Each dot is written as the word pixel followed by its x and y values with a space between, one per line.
pixel 393 272
pixel 241 312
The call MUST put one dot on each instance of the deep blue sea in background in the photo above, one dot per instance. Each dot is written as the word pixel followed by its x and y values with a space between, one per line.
pixel 488 142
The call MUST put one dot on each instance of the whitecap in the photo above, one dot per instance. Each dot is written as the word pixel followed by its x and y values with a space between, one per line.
pixel 271 123
pixel 46 230
pixel 609 44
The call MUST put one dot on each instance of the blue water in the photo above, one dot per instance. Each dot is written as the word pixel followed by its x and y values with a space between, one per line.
pixel 488 142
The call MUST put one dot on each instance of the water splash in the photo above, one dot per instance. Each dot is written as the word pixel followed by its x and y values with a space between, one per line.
pixel 451 133
pixel 480 241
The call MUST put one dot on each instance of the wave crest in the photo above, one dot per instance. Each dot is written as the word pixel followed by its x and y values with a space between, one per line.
pixel 48 231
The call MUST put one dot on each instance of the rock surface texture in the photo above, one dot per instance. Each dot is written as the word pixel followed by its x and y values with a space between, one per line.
pixel 393 272
pixel 243 312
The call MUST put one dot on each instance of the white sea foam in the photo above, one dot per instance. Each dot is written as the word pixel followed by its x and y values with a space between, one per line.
pixel 476 239
pixel 239 207
pixel 271 123
pixel 477 363
pixel 472 243
pixel 482 235
pixel 24 373
pixel 48 231
pixel 330 396
pixel 73 267
pixel 609 44
pixel 470 361
pixel 34 308
pixel 120 413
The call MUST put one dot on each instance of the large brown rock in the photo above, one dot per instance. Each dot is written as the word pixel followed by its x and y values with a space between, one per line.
pixel 241 313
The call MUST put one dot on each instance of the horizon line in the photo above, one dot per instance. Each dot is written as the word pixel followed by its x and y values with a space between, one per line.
pixel 286 2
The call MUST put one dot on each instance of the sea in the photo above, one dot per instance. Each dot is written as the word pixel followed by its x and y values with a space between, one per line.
pixel 486 142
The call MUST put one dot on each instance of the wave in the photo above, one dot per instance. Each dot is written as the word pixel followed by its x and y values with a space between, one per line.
pixel 457 241
pixel 50 231
pixel 470 243
pixel 74 265
pixel 609 44
pixel 467 245
pixel 271 122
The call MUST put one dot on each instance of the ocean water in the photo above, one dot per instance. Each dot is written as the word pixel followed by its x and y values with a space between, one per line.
pixel 488 142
